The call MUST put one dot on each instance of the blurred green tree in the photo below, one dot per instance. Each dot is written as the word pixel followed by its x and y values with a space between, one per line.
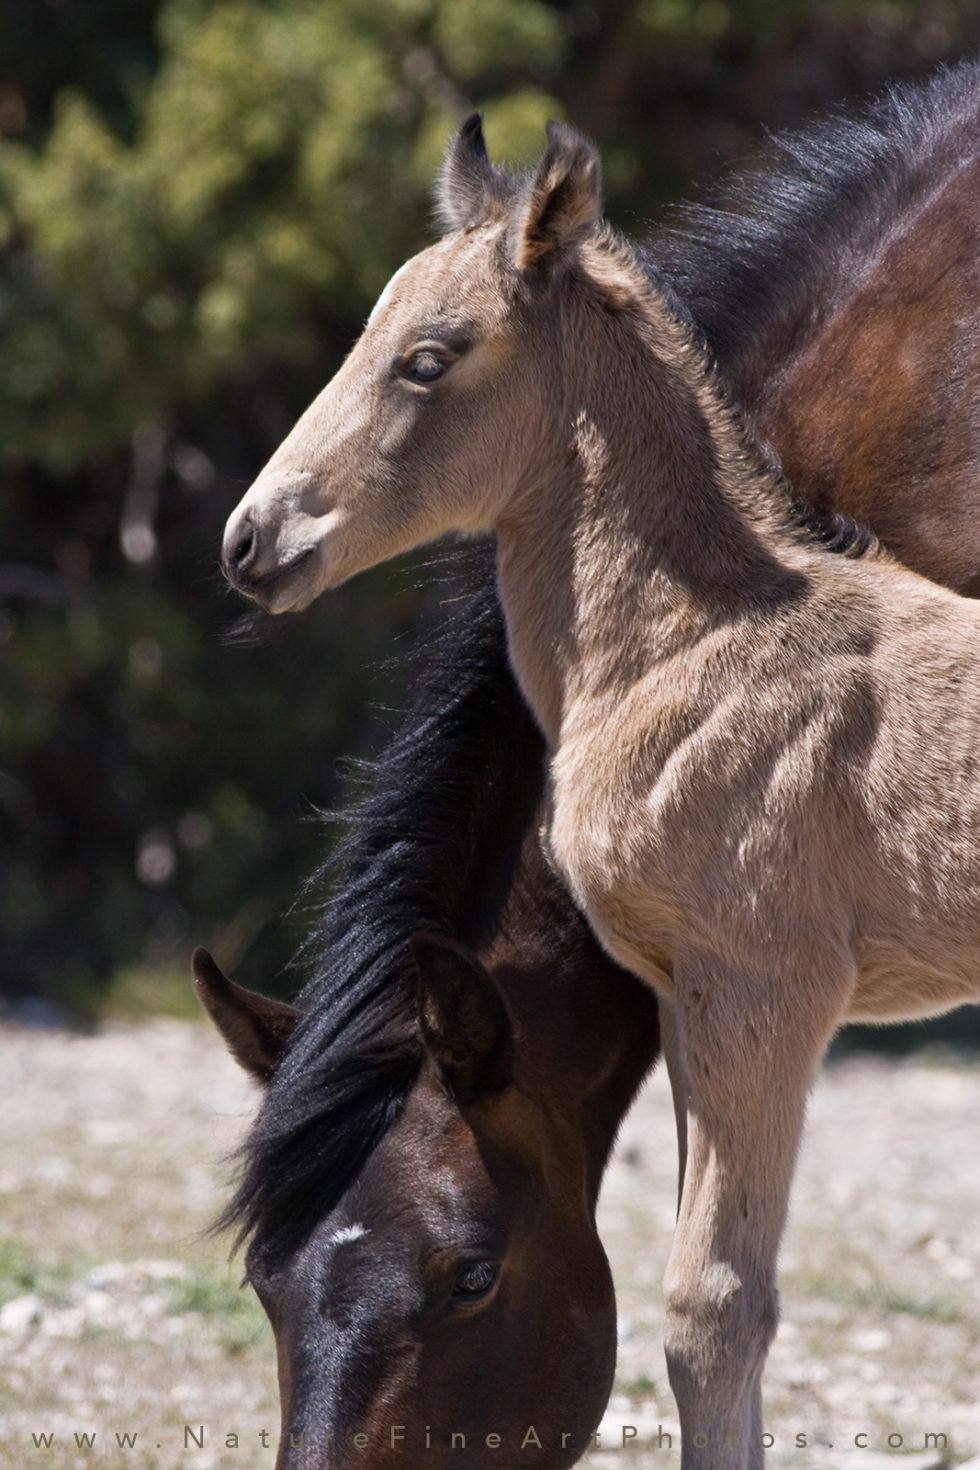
pixel 198 203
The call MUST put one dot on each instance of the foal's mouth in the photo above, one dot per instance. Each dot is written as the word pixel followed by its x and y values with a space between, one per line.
pixel 261 587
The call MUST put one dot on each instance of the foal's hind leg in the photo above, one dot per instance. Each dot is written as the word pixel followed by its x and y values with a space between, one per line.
pixel 747 1049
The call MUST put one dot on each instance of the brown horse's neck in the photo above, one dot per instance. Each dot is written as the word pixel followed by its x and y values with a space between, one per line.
pixel 658 524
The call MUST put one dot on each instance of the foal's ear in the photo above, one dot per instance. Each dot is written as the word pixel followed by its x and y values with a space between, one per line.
pixel 255 1028
pixel 470 190
pixel 462 1017
pixel 563 202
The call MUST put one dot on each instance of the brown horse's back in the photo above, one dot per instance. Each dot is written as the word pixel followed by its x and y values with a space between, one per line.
pixel 838 285
pixel 878 414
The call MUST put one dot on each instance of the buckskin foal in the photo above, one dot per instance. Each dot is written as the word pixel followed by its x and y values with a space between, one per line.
pixel 762 786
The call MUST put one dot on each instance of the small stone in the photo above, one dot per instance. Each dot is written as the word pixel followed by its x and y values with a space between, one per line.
pixel 106 1275
pixel 871 1340
pixel 67 1322
pixel 18 1315
pixel 959 1268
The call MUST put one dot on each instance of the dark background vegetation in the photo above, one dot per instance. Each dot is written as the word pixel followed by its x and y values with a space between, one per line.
pixel 199 200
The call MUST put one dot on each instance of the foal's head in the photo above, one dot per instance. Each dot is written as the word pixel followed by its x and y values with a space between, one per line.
pixel 457 1285
pixel 433 422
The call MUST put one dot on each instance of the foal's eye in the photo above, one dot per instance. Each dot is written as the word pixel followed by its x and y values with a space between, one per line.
pixel 423 367
pixel 475 1281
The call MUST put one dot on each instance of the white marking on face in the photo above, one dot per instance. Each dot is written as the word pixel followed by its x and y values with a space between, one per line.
pixel 346 1234
pixel 385 298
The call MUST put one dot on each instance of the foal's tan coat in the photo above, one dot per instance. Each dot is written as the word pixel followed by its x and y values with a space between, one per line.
pixel 765 791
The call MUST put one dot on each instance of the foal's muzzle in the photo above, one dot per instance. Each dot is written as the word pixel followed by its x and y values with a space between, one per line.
pixel 252 562
pixel 240 550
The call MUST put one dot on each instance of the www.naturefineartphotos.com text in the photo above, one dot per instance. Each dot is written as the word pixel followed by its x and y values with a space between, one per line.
pixel 402 1436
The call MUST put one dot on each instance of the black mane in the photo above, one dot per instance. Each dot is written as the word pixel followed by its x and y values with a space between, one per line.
pixel 749 273
pixel 407 864
pixel 762 260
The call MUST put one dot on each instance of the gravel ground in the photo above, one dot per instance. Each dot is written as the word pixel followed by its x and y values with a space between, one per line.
pixel 119 1317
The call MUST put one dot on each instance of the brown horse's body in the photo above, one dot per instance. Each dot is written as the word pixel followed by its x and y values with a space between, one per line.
pixel 762 786
pixel 883 355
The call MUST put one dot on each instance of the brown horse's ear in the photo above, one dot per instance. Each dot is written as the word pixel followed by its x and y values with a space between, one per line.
pixel 470 190
pixel 462 1017
pixel 562 204
pixel 255 1028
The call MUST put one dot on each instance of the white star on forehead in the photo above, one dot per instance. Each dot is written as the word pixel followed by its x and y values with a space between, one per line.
pixel 346 1234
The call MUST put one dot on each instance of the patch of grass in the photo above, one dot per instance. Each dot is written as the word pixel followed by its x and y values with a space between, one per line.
pixel 23 1273
pixel 875 1294
pixel 208 1290
pixel 935 1309
pixel 640 1387
pixel 214 1293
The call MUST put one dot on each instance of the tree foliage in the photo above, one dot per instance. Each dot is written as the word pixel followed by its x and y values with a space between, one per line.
pixel 198 203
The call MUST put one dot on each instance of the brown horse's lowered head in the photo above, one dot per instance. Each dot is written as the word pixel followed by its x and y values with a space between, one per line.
pixel 457 1294
pixel 431 424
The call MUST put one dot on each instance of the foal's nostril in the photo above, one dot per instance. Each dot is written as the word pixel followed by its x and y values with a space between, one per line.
pixel 243 549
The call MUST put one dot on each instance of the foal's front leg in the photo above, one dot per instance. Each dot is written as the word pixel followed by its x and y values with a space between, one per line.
pixel 746 1050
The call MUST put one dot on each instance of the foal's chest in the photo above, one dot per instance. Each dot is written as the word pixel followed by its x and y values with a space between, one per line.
pixel 615 835
pixel 694 830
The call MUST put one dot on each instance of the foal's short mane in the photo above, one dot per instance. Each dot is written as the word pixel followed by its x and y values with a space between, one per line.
pixel 834 531
pixel 747 274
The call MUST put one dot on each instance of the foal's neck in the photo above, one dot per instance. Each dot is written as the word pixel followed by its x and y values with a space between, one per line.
pixel 659 524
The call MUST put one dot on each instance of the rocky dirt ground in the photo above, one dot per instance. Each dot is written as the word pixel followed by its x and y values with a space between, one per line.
pixel 122 1324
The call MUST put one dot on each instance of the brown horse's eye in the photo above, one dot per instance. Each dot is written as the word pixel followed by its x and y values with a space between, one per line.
pixel 424 367
pixel 475 1281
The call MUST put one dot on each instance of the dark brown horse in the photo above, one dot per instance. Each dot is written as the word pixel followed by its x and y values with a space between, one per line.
pixel 779 292
pixel 421 1180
